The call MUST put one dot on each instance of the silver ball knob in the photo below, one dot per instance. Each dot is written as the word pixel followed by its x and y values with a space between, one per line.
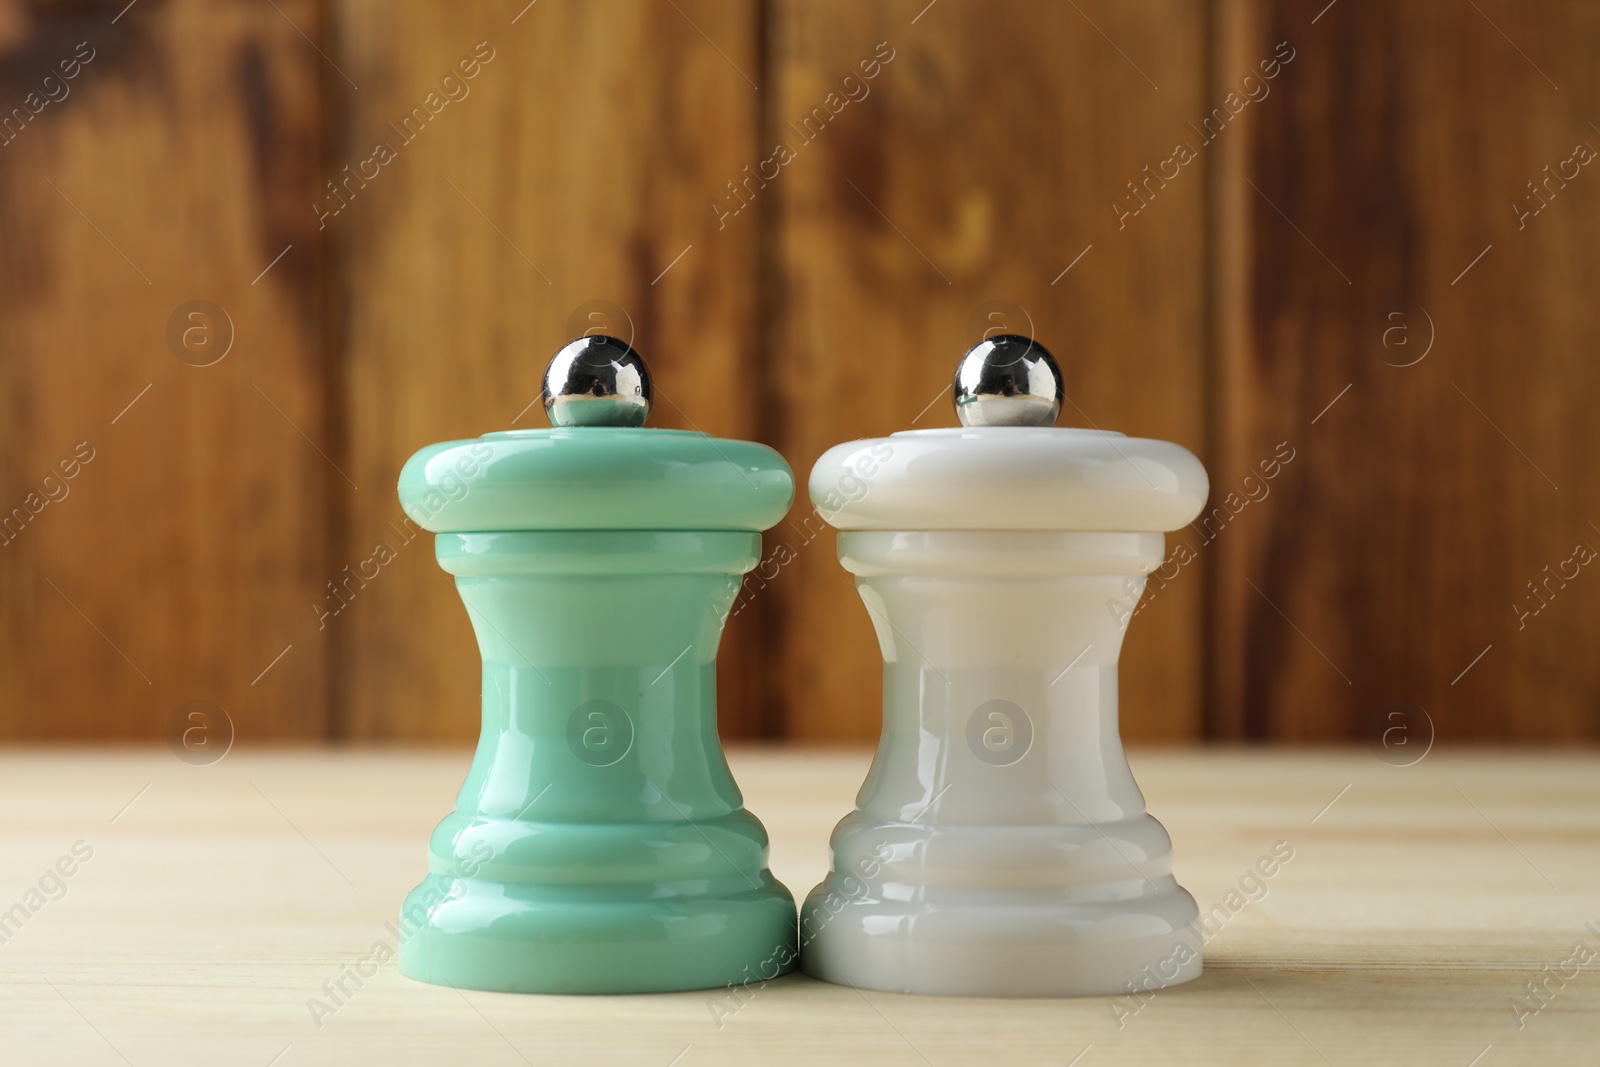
pixel 1007 380
pixel 597 381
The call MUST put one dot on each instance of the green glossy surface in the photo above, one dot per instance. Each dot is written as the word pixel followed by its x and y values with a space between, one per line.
pixel 599 843
pixel 596 478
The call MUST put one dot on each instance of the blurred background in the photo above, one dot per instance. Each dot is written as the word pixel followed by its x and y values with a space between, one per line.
pixel 255 253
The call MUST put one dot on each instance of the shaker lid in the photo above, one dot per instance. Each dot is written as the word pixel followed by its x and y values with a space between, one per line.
pixel 596 468
pixel 1009 478
pixel 1007 468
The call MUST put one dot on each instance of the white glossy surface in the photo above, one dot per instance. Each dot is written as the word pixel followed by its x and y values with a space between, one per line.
pixel 1008 478
pixel 1000 846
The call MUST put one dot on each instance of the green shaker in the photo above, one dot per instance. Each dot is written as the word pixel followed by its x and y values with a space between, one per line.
pixel 599 843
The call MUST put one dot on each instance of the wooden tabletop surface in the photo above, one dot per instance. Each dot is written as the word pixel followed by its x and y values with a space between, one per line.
pixel 206 907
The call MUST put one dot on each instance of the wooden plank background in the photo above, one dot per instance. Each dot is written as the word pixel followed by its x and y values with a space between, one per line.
pixel 954 191
pixel 1334 287
pixel 573 174
pixel 177 562
pixel 1400 541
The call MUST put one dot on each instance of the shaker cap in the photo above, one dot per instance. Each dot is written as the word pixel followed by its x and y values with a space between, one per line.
pixel 597 468
pixel 1007 468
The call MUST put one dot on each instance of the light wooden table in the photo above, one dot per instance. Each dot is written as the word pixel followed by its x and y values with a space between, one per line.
pixel 219 900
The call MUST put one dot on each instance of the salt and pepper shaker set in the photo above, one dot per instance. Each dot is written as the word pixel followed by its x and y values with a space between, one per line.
pixel 999 847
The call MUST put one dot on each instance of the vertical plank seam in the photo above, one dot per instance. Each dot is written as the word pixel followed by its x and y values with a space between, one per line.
pixel 773 714
pixel 336 409
pixel 1211 400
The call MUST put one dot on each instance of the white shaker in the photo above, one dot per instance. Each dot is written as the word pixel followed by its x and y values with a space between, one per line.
pixel 1000 846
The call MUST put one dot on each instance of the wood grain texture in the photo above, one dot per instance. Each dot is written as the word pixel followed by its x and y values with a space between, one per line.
pixel 174 562
pixel 216 906
pixel 955 182
pixel 1354 210
pixel 579 165
pixel 1418 552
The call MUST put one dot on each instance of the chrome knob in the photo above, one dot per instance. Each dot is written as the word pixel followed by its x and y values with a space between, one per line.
pixel 1007 380
pixel 597 381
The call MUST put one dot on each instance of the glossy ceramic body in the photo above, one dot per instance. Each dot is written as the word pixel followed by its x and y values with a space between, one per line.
pixel 1000 846
pixel 599 843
